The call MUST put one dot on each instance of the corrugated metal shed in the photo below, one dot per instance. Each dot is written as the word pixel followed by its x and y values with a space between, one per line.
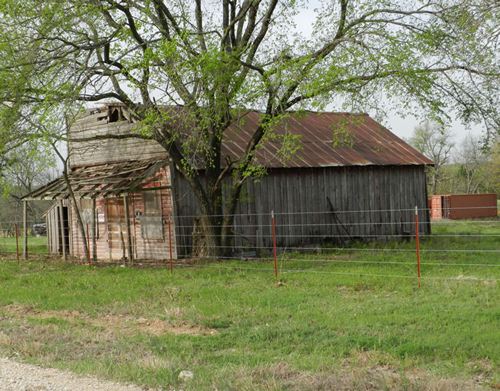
pixel 369 143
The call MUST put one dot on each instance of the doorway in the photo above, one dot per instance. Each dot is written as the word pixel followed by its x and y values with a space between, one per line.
pixel 63 245
pixel 117 230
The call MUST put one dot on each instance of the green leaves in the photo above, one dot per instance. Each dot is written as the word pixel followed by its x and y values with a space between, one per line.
pixel 438 57
pixel 341 137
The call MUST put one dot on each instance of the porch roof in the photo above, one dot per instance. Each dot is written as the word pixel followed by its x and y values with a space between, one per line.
pixel 104 180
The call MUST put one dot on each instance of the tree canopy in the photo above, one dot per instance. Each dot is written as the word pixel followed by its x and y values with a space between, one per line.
pixel 436 143
pixel 216 57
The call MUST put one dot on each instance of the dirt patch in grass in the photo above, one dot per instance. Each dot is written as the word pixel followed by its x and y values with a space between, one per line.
pixel 4 339
pixel 487 282
pixel 20 311
pixel 120 324
pixel 377 377
pixel 127 324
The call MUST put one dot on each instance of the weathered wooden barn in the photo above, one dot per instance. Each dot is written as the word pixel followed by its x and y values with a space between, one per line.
pixel 136 205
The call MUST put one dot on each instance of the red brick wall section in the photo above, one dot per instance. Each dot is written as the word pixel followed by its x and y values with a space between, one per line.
pixel 436 207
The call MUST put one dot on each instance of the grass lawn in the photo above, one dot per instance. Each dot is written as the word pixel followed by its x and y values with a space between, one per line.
pixel 351 319
pixel 36 245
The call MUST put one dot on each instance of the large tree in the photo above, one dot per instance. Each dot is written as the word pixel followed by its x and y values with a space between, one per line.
pixel 435 142
pixel 215 58
pixel 473 168
pixel 22 170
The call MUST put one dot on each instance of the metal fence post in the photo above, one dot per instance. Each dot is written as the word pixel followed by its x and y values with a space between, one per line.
pixel 171 263
pixel 94 231
pixel 88 245
pixel 417 244
pixel 25 230
pixel 273 225
pixel 17 241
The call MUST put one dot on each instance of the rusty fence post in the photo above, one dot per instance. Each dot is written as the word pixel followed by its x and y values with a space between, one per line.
pixel 275 256
pixel 417 244
pixel 88 244
pixel 171 262
pixel 25 229
pixel 129 232
pixel 94 231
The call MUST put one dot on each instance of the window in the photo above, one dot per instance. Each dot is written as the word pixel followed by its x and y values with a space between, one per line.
pixel 152 203
pixel 151 220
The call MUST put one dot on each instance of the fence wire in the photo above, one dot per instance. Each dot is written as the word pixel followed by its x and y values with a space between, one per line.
pixel 393 252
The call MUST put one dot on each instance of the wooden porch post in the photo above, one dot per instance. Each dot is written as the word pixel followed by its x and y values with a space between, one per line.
pixel 127 223
pixel 25 229
pixel 94 229
pixel 48 233
pixel 61 229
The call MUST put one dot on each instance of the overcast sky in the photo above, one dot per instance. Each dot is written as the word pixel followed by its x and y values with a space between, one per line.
pixel 403 127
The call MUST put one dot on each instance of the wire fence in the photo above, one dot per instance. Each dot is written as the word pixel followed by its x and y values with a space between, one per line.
pixel 351 211
pixel 392 243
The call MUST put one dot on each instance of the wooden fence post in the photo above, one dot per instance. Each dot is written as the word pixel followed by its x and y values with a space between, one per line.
pixel 61 229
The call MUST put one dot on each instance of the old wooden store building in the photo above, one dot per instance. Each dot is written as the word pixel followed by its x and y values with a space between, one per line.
pixel 136 205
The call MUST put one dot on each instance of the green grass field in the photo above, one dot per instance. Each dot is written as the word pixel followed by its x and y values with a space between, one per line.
pixel 36 245
pixel 350 319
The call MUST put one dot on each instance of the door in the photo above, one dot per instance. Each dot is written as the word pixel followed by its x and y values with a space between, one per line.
pixel 117 230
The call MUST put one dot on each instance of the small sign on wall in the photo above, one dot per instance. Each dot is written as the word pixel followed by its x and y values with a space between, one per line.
pixel 100 215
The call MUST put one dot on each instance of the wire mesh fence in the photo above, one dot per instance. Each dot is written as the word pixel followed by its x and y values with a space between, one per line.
pixel 357 243
pixel 12 238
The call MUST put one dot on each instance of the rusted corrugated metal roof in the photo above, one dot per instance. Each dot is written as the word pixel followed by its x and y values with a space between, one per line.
pixel 369 142
pixel 366 142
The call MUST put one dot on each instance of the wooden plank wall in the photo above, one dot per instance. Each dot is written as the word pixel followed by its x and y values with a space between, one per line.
pixel 52 220
pixel 53 232
pixel 367 200
pixel 108 150
pixel 109 244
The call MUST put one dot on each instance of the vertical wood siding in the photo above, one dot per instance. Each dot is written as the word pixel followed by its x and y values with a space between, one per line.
pixel 52 219
pixel 53 232
pixel 366 200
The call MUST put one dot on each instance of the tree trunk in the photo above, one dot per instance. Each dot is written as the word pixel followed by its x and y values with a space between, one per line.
pixel 215 221
pixel 211 216
pixel 77 209
pixel 232 203
pixel 217 214
pixel 73 199
pixel 435 180
pixel 78 215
